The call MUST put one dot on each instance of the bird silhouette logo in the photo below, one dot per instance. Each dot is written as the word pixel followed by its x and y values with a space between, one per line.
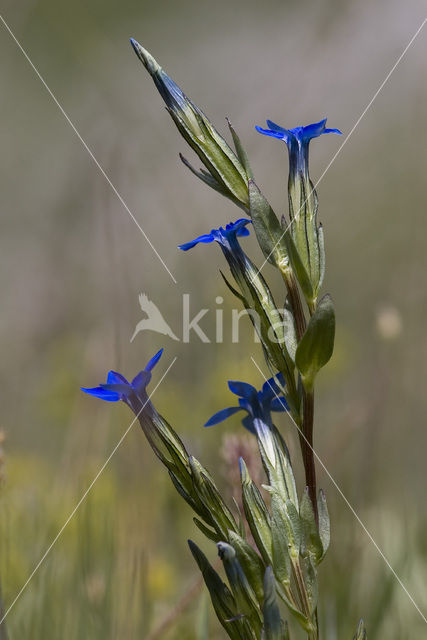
pixel 154 320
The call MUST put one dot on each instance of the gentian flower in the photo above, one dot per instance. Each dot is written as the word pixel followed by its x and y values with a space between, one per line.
pixel 257 404
pixel 133 393
pixel 307 234
pixel 226 238
pixel 297 141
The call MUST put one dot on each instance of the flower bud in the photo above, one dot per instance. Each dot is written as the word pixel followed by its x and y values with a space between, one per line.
pixel 226 172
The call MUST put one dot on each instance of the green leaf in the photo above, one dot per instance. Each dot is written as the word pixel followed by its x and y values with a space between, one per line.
pixel 311 542
pixel 267 227
pixel 324 522
pixel 317 344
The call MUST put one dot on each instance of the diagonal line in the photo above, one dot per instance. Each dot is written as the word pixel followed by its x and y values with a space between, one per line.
pixel 368 533
pixel 82 499
pixel 346 139
pixel 85 145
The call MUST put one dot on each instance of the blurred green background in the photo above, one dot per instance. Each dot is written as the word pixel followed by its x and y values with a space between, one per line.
pixel 72 264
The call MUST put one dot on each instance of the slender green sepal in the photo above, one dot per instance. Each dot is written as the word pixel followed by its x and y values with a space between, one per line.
pixel 241 153
pixel 310 581
pixel 205 177
pixel 207 531
pixel 279 533
pixel 276 461
pixel 267 228
pixel 285 518
pixel 244 595
pixel 251 563
pixel 256 513
pixel 221 516
pixel 273 624
pixel 234 291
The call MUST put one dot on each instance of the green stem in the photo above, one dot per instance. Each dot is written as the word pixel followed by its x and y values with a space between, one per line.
pixel 304 599
pixel 306 442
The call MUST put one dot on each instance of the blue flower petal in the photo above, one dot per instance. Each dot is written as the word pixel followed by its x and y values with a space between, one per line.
pixel 333 131
pixel 222 415
pixel 268 132
pixel 242 389
pixel 275 127
pixel 302 134
pixel 239 224
pixel 313 130
pixel 189 245
pixel 99 392
pixel 279 404
pixel 248 423
pixel 268 388
pixel 154 360
pixel 116 378
pixel 141 380
pixel 119 388
pixel 243 232
pixel 271 388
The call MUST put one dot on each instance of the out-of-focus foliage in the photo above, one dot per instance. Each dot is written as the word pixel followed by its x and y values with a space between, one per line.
pixel 72 264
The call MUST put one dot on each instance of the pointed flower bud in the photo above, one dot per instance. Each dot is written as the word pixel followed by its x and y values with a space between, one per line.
pixel 226 172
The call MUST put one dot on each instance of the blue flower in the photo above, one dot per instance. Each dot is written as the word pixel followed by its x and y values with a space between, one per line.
pixel 297 141
pixel 227 237
pixel 257 404
pixel 118 388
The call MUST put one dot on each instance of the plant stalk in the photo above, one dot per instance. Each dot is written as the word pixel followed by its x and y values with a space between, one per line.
pixel 306 442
